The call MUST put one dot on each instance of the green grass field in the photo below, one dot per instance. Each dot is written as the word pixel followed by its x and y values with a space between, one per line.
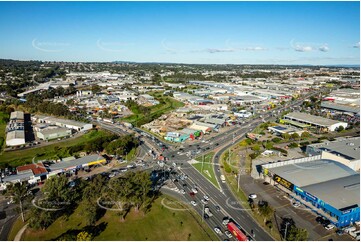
pixel 20 157
pixel 3 120
pixel 160 223
pixel 155 111
pixel 207 171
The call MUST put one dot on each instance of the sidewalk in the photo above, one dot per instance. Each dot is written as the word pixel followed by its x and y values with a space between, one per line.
pixel 20 233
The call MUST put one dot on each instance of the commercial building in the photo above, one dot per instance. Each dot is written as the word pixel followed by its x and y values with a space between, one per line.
pixel 72 164
pixel 325 186
pixel 70 124
pixel 15 129
pixel 53 133
pixel 345 151
pixel 321 123
pixel 284 129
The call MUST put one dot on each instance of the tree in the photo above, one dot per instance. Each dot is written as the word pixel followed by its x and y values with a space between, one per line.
pixel 295 136
pixel 84 236
pixel 95 89
pixel 305 135
pixel 265 210
pixel 296 234
pixel 286 136
pixel 256 147
pixel 18 192
pixel 340 128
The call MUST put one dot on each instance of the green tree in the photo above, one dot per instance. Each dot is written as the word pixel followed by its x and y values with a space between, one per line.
pixel 265 210
pixel 18 192
pixel 295 136
pixel 256 147
pixel 95 89
pixel 84 236
pixel 296 234
pixel 340 129
pixel 305 135
pixel 286 136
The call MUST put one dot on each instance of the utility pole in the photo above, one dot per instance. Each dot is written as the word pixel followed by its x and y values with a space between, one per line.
pixel 202 164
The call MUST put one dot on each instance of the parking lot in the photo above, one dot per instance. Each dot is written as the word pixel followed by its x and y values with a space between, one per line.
pixel 279 200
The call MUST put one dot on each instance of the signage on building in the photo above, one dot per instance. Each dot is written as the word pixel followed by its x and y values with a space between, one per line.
pixel 311 196
pixel 299 189
pixel 283 182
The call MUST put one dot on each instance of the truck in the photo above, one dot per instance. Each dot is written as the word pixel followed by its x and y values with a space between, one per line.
pixel 236 231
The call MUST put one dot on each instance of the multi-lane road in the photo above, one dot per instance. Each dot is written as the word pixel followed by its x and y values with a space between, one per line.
pixel 224 198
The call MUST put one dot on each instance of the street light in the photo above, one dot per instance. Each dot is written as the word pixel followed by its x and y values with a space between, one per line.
pixel 284 238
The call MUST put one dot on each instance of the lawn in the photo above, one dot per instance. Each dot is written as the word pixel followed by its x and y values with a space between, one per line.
pixel 3 121
pixel 208 168
pixel 155 111
pixel 160 223
pixel 20 157
pixel 18 224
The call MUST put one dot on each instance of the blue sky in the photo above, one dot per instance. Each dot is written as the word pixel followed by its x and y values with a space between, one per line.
pixel 182 32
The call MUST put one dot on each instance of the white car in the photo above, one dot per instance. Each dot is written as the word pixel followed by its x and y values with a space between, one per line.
pixel 194 190
pixel 225 222
pixel 252 196
pixel 329 227
pixel 217 230
pixel 194 203
pixel 183 191
pixel 228 234
pixel 206 197
pixel 204 201
pixel 296 204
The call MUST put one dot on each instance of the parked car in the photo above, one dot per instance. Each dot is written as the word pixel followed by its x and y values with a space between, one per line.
pixel 329 226
pixel 206 197
pixel 296 204
pixel 218 208
pixel 194 203
pixel 252 196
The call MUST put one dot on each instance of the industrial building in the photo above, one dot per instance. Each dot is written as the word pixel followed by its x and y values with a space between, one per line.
pixel 325 186
pixel 345 151
pixel 15 133
pixel 33 173
pixel 284 129
pixel 70 124
pixel 324 124
pixel 53 132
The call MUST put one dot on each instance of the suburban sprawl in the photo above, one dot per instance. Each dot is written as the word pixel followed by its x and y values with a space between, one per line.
pixel 148 151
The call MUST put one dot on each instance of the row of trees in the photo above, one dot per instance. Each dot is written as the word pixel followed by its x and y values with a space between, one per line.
pixel 121 194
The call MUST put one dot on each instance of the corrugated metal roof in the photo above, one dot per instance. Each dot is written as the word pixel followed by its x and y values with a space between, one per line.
pixel 81 161
pixel 305 117
pixel 339 193
pixel 312 172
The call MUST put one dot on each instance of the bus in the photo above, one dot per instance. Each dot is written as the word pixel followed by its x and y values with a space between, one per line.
pixel 233 228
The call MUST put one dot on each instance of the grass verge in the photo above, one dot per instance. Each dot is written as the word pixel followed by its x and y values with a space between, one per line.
pixel 53 151
pixel 208 168
pixel 160 223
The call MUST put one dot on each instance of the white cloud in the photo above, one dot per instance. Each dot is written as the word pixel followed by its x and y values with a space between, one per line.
pixel 357 45
pixel 301 48
pixel 324 48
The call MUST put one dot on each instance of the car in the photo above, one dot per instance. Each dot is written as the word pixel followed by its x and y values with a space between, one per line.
pixel 217 230
pixel 184 184
pixel 252 196
pixel 326 222
pixel 218 208
pixel 340 232
pixel 194 203
pixel 206 197
pixel 182 191
pixel 228 234
pixel 194 190
pixel 192 194
pixel 296 204
pixel 175 180
pixel 319 220
pixel 206 216
pixel 330 226
pixel 204 201
pixel 225 221
pixel 111 175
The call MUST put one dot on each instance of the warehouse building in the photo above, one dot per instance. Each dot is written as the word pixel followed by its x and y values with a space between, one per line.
pixel 325 186
pixel 284 129
pixel 345 151
pixel 70 124
pixel 15 129
pixel 323 124
pixel 53 133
